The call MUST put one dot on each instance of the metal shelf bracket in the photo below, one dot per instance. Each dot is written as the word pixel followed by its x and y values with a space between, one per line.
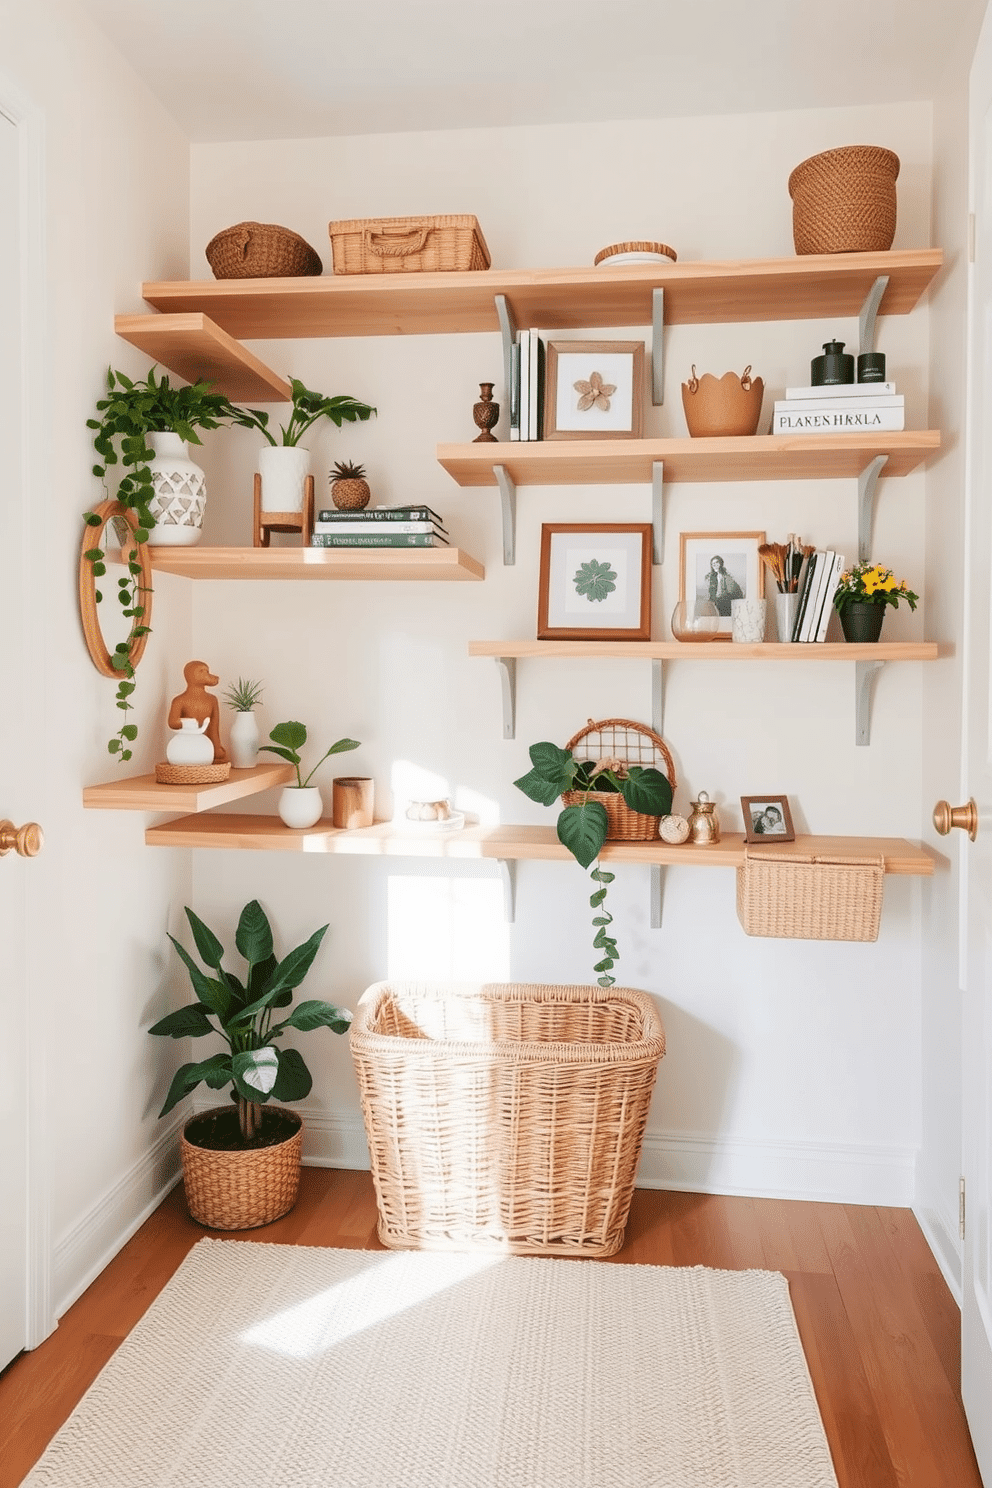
pixel 865 673
pixel 657 694
pixel 508 689
pixel 867 491
pixel 657 893
pixel 869 313
pixel 508 877
pixel 508 331
pixel 657 347
pixel 658 511
pixel 508 508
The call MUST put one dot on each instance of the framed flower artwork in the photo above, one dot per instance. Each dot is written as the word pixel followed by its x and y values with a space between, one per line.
pixel 594 390
pixel 595 582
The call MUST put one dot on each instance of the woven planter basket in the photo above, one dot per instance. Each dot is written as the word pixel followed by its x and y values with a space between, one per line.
pixel 844 201
pixel 407 245
pixel 635 744
pixel 810 898
pixel 242 1190
pixel 505 1117
pixel 261 250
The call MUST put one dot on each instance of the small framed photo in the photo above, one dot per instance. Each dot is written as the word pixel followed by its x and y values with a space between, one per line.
pixel 720 567
pixel 767 819
pixel 595 582
pixel 594 390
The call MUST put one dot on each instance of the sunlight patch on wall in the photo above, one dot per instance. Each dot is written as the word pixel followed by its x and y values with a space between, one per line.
pixel 446 929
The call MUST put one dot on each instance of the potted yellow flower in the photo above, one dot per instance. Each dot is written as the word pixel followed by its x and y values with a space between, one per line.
pixel 862 596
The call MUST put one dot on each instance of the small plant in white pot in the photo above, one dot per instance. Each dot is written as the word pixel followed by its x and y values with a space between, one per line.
pixel 300 805
pixel 243 696
pixel 282 463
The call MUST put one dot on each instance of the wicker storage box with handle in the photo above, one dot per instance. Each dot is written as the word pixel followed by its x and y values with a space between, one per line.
pixel 407 245
pixel 506 1116
pixel 791 896
pixel 634 744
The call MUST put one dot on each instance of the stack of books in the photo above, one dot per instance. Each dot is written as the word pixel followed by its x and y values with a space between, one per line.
pixel 845 408
pixel 526 386
pixel 817 585
pixel 380 527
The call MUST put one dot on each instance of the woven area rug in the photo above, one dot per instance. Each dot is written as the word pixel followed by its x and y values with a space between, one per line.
pixel 284 1366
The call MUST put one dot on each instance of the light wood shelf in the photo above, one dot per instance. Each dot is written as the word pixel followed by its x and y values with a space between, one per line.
pixel 799 288
pixel 764 457
pixel 507 843
pixel 192 346
pixel 713 650
pixel 445 564
pixel 143 792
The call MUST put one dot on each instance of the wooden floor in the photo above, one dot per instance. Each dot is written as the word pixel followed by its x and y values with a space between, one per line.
pixel 880 1329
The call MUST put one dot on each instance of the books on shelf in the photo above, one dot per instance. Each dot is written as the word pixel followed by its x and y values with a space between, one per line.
pixel 374 514
pixel 527 385
pixel 378 539
pixel 380 527
pixel 843 390
pixel 817 585
pixel 355 529
pixel 865 415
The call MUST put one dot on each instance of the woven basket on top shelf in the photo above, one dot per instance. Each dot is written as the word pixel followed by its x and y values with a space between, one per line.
pixel 844 201
pixel 261 250
pixel 635 744
pixel 408 245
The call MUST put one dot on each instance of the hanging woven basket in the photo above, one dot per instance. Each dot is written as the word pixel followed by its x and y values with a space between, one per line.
pixel 844 201
pixel 634 744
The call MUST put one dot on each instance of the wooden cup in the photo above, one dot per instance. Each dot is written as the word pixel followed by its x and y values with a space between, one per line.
pixel 351 801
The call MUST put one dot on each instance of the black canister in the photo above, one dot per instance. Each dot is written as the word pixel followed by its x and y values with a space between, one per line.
pixel 871 366
pixel 833 367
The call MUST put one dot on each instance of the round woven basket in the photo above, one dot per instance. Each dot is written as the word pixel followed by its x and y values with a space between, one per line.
pixel 844 201
pixel 166 774
pixel 241 1190
pixel 658 250
pixel 635 744
pixel 261 250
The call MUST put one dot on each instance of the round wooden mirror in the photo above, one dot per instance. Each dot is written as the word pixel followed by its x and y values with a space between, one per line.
pixel 110 511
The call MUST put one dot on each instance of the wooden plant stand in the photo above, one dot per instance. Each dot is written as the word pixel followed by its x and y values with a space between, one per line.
pixel 272 521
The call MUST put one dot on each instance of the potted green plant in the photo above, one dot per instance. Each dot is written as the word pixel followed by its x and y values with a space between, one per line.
pixel 300 805
pixel 282 463
pixel 144 426
pixel 241 1163
pixel 243 696
pixel 862 596
pixel 583 822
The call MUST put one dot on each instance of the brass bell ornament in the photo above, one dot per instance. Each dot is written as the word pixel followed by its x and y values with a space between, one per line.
pixel 704 824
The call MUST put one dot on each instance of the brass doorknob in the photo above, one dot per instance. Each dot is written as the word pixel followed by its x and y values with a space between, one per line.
pixel 946 816
pixel 26 841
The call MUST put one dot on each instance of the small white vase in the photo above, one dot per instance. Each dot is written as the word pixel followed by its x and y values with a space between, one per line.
pixel 283 468
pixel 300 806
pixel 180 493
pixel 244 740
pixel 189 744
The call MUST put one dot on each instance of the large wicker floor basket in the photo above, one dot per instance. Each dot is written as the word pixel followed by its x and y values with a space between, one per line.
pixel 505 1116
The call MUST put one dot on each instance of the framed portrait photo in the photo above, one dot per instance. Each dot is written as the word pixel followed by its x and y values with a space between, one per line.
pixel 594 390
pixel 767 819
pixel 720 567
pixel 595 582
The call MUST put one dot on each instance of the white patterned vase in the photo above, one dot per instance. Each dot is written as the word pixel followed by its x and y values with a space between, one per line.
pixel 244 741
pixel 180 489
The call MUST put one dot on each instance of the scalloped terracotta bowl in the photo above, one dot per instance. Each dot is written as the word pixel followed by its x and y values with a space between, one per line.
pixel 724 406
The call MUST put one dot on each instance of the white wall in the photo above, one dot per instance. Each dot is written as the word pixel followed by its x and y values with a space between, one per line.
pixel 793 1068
pixel 115 191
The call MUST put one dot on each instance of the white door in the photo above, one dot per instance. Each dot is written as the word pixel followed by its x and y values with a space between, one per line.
pixel 976 1362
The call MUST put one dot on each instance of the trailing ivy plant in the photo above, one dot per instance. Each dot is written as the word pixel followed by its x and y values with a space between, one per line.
pixel 127 415
pixel 582 827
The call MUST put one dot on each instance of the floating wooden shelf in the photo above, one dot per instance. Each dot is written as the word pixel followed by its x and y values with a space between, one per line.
pixel 714 650
pixel 799 288
pixel 192 346
pixel 764 457
pixel 267 833
pixel 451 564
pixel 143 792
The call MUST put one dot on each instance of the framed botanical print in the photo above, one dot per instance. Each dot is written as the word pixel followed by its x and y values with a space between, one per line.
pixel 595 581
pixel 594 390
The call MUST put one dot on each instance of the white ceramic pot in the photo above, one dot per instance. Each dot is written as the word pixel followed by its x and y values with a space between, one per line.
pixel 180 489
pixel 244 741
pixel 301 806
pixel 283 468
pixel 189 744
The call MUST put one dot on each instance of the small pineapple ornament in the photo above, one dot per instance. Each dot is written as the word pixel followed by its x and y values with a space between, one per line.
pixel 349 488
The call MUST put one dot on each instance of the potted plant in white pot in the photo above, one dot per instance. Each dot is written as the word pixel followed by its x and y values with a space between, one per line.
pixel 244 696
pixel 283 463
pixel 241 1163
pixel 301 805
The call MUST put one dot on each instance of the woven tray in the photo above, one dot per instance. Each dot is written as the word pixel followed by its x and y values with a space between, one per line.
pixel 407 245
pixel 635 744
pixel 505 1117
pixel 844 201
pixel 166 774
pixel 261 250
pixel 810 898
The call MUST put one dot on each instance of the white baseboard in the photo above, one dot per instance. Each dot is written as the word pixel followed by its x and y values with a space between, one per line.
pixel 81 1253
pixel 940 1233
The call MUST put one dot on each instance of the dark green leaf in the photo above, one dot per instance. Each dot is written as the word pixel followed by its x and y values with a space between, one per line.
pixel 214 995
pixel 188 1022
pixel 292 734
pixel 538 788
pixel 316 1014
pixel 255 1072
pixel 289 973
pixel 294 1081
pixel 648 791
pixel 215 1071
pixel 582 829
pixel 253 936
pixel 208 946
